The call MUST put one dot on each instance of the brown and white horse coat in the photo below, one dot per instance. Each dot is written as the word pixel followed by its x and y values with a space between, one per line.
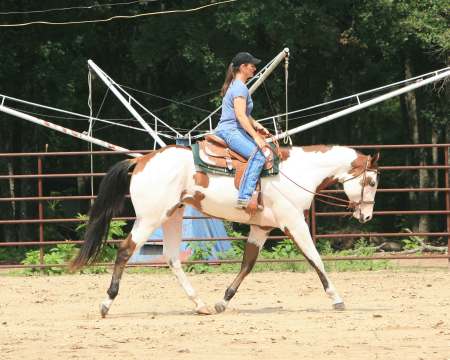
pixel 164 180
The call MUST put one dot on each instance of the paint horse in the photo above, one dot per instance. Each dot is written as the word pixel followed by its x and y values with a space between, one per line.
pixel 165 180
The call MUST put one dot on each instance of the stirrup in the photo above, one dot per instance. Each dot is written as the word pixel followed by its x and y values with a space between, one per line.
pixel 242 203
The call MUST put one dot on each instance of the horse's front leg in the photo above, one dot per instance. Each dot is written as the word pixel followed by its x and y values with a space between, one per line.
pixel 299 232
pixel 255 242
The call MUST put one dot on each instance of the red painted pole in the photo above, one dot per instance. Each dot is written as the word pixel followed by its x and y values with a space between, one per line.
pixel 41 214
pixel 447 199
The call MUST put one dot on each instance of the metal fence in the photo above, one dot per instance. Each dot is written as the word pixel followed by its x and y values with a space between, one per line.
pixel 315 215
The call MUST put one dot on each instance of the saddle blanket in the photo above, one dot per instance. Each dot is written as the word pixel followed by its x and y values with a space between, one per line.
pixel 206 163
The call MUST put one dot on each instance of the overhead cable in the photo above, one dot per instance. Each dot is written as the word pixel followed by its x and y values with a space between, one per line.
pixel 167 99
pixel 72 8
pixel 118 16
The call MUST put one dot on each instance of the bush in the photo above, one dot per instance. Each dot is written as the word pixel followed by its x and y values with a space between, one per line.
pixel 12 255
pixel 60 254
pixel 108 252
pixel 284 249
pixel 63 253
pixel 200 251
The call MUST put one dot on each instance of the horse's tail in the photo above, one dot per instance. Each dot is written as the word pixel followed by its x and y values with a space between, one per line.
pixel 109 202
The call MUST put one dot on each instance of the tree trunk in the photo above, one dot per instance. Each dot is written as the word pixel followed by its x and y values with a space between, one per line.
pixel 8 211
pixel 419 200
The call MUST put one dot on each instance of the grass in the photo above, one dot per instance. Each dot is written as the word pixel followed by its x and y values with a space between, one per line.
pixel 284 250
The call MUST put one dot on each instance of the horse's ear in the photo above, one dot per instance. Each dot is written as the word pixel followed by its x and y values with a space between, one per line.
pixel 374 160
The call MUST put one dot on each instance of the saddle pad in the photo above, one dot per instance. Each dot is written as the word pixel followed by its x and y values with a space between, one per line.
pixel 210 167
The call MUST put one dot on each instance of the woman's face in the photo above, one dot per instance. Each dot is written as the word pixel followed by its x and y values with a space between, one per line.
pixel 248 70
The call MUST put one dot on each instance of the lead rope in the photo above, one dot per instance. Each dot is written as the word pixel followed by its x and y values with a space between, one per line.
pixel 287 139
pixel 91 126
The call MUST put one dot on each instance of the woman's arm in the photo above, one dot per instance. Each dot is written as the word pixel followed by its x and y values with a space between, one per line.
pixel 240 104
pixel 259 127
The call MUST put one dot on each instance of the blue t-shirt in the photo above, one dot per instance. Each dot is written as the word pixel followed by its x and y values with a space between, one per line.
pixel 228 119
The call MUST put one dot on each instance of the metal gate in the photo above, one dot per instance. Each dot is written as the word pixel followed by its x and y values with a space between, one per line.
pixel 39 176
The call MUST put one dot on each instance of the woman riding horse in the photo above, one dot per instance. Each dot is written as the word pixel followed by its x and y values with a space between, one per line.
pixel 236 126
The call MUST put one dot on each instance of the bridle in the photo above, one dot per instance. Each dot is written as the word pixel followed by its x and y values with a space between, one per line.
pixel 337 201
pixel 354 204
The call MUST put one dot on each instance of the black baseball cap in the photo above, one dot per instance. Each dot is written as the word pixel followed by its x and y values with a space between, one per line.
pixel 244 58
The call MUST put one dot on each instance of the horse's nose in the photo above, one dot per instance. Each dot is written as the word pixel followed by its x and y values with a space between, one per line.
pixel 362 219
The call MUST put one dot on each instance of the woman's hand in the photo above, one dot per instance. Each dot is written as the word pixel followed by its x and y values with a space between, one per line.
pixel 261 129
pixel 260 141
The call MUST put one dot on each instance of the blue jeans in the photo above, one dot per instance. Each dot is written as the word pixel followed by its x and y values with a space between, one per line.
pixel 239 141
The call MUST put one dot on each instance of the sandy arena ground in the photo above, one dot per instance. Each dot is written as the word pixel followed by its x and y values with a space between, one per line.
pixel 390 315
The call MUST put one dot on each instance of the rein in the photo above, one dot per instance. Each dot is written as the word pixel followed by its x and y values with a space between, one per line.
pixel 343 202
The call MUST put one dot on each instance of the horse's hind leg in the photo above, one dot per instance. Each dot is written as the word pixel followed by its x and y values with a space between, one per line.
pixel 172 229
pixel 126 249
pixel 138 236
pixel 255 242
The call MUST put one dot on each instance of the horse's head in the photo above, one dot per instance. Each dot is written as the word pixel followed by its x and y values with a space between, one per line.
pixel 360 186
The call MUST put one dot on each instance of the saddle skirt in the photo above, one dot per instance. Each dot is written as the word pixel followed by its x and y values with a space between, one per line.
pixel 212 155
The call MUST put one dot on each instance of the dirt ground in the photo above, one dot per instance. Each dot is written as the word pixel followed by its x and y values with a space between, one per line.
pixel 399 314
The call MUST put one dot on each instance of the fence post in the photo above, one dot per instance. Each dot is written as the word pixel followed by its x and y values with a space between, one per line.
pixel 447 199
pixel 41 215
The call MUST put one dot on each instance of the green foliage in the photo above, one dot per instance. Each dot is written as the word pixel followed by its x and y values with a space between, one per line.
pixel 200 251
pixel 115 230
pixel 63 253
pixel 284 249
pixel 12 254
pixel 324 247
pixel 237 246
pixel 108 252
pixel 54 209
pixel 412 242
pixel 361 248
pixel 60 254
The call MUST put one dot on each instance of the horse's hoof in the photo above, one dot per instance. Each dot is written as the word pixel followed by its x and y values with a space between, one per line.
pixel 103 310
pixel 339 306
pixel 203 310
pixel 220 307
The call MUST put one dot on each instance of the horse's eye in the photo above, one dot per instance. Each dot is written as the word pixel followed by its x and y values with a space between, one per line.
pixel 372 182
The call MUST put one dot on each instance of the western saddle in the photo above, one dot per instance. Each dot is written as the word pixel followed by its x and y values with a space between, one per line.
pixel 215 154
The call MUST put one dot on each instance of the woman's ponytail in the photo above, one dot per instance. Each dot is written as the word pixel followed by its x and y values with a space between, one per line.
pixel 228 79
